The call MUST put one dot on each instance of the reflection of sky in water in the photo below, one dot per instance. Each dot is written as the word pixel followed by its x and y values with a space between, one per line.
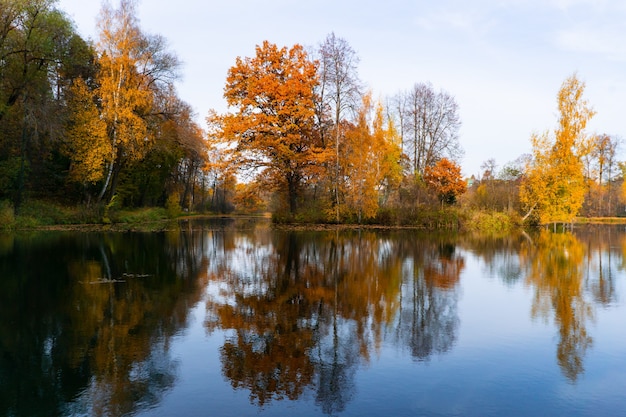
pixel 466 345
pixel 502 362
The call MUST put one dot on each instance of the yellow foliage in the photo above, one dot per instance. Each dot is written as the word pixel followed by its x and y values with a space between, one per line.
pixel 87 144
pixel 554 184
pixel 555 270
pixel 371 161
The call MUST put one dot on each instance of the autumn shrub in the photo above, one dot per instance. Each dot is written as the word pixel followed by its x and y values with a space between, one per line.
pixel 84 214
pixel 431 218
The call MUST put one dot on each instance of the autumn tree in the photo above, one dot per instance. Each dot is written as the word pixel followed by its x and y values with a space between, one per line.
pixel 371 160
pixel 173 165
pixel 387 154
pixel 271 126
pixel 361 198
pixel 445 179
pixel 554 183
pixel 132 66
pixel 86 143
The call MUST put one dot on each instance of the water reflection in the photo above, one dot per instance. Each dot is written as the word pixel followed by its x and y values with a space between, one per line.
pixel 570 272
pixel 555 270
pixel 305 309
pixel 87 320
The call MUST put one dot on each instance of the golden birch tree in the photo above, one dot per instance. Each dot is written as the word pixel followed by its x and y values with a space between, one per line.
pixel 387 155
pixel 120 89
pixel 554 184
pixel 135 68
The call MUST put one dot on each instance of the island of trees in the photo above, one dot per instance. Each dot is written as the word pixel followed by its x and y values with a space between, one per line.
pixel 89 128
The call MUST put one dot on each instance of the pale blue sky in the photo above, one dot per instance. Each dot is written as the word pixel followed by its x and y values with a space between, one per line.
pixel 503 60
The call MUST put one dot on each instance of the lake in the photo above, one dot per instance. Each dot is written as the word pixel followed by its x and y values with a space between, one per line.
pixel 234 318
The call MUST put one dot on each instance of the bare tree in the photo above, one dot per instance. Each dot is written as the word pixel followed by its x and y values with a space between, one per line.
pixel 339 92
pixel 430 126
pixel 604 153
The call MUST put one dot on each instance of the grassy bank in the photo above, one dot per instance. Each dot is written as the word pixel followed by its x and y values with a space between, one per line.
pixel 600 220
pixel 39 214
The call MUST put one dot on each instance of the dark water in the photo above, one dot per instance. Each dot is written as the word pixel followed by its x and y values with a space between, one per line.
pixel 230 318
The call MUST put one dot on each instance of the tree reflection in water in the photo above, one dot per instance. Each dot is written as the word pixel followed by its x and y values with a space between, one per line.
pixel 89 319
pixel 305 309
pixel 555 263
pixel 428 321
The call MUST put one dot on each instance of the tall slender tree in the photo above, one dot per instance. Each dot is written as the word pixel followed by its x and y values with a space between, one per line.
pixel 554 183
pixel 340 92
pixel 132 68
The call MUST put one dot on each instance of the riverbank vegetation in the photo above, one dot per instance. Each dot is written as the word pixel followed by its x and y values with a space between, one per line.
pixel 94 132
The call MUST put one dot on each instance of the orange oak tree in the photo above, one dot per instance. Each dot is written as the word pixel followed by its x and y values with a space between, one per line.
pixel 271 129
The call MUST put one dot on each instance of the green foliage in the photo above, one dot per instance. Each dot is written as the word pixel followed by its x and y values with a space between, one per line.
pixel 9 173
pixel 172 205
pixel 40 213
pixel 422 217
pixel 7 216
pixel 386 217
pixel 140 216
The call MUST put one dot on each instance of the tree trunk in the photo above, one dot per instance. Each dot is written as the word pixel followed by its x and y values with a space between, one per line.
pixel 292 185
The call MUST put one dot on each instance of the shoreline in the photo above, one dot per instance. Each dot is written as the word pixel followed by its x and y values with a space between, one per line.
pixel 175 223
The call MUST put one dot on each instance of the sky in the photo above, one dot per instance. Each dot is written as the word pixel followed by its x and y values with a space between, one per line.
pixel 502 60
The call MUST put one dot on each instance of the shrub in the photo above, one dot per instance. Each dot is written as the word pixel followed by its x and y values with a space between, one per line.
pixel 144 215
pixel 491 222
pixel 7 216
pixel 172 205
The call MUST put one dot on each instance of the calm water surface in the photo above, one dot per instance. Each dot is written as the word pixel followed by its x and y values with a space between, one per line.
pixel 232 318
